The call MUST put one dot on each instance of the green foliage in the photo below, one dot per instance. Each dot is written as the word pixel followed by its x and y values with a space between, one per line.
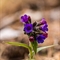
pixel 41 48
pixel 34 46
pixel 23 45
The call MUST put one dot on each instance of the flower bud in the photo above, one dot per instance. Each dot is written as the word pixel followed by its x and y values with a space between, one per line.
pixel 31 39
pixel 45 34
pixel 43 21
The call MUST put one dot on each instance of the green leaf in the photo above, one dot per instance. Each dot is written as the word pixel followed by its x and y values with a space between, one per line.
pixel 34 46
pixel 23 45
pixel 19 44
pixel 41 48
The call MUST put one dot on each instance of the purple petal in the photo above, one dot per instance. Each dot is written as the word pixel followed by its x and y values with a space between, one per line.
pixel 40 38
pixel 28 28
pixel 43 21
pixel 24 18
pixel 44 28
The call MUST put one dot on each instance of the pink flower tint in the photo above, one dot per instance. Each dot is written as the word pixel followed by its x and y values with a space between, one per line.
pixel 31 38
pixel 45 34
pixel 43 21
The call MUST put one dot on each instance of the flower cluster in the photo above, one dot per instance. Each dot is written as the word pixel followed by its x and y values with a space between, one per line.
pixel 35 31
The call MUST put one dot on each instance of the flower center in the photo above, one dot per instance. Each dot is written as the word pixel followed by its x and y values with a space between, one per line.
pixel 28 28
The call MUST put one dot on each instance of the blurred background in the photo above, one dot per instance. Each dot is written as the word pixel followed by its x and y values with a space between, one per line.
pixel 11 29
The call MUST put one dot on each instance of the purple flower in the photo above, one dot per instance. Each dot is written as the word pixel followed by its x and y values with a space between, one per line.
pixel 24 18
pixel 32 30
pixel 40 38
pixel 44 28
pixel 43 21
pixel 28 28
